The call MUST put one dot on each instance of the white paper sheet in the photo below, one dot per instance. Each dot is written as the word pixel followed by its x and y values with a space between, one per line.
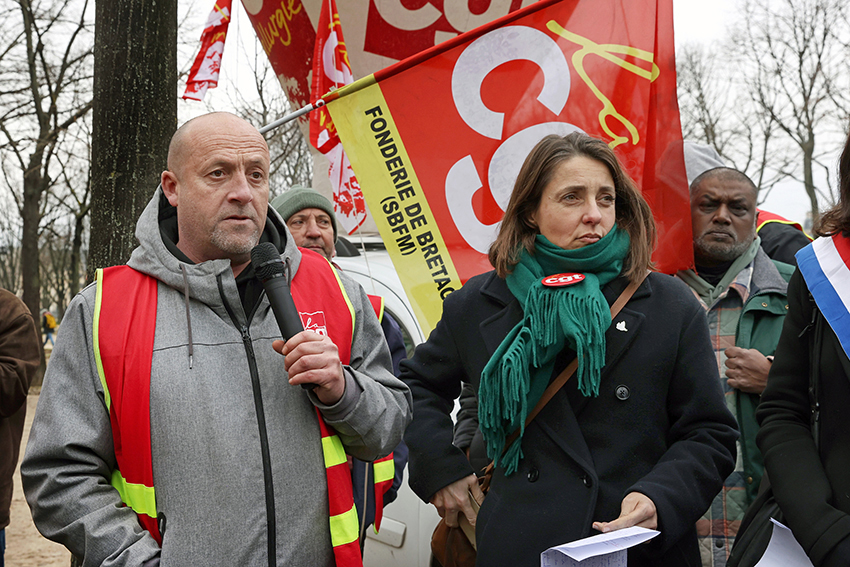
pixel 603 550
pixel 783 550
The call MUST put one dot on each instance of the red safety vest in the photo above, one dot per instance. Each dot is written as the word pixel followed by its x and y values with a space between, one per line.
pixel 765 217
pixel 383 469
pixel 123 345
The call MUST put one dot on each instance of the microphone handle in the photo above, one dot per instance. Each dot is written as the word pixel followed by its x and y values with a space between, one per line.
pixel 285 313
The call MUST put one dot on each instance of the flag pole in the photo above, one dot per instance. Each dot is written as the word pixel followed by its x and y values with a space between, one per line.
pixel 326 98
pixel 293 115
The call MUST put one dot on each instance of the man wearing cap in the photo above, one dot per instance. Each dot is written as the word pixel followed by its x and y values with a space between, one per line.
pixel 312 223
pixel 744 294
pixel 781 238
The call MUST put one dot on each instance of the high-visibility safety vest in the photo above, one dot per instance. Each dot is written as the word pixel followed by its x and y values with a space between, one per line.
pixel 378 305
pixel 383 469
pixel 765 217
pixel 123 335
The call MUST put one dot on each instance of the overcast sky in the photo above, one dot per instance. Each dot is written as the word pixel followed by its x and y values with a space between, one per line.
pixel 700 21
pixel 704 22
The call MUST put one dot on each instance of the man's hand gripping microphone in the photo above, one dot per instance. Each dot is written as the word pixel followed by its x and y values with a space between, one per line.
pixel 270 271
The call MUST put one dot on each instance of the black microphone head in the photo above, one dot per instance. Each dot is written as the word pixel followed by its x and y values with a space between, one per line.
pixel 266 261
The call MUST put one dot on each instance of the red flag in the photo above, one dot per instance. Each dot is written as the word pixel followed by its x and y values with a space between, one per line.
pixel 331 70
pixel 438 139
pixel 205 69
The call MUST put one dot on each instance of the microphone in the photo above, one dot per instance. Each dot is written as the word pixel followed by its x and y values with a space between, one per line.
pixel 268 267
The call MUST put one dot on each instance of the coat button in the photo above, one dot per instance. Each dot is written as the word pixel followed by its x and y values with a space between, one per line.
pixel 588 482
pixel 764 304
pixel 622 392
pixel 533 475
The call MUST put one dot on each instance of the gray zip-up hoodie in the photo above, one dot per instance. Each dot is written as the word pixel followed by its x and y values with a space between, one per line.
pixel 237 455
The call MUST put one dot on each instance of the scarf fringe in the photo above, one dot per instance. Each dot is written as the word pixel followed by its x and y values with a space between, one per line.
pixel 576 316
pixel 508 388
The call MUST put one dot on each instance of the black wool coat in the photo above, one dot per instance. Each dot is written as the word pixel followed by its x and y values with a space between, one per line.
pixel 659 425
pixel 811 486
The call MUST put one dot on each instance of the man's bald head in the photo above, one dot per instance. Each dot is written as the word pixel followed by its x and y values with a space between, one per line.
pixel 724 175
pixel 186 136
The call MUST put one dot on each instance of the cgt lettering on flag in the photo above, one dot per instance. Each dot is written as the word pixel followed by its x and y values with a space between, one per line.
pixel 331 71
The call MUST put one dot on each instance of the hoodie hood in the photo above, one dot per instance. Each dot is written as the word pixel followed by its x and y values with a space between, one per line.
pixel 158 256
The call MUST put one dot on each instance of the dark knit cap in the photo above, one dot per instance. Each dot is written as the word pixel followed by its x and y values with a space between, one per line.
pixel 298 198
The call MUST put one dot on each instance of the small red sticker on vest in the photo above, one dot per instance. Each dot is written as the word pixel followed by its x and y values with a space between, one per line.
pixel 314 322
pixel 560 280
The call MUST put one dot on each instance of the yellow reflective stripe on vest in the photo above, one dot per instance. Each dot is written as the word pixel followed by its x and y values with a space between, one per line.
pixel 96 339
pixel 141 498
pixel 345 527
pixel 333 451
pixel 345 296
pixel 384 470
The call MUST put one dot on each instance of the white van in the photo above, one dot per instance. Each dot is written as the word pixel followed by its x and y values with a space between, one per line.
pixel 405 536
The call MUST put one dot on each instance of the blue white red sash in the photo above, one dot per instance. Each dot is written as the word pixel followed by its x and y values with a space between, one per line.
pixel 824 265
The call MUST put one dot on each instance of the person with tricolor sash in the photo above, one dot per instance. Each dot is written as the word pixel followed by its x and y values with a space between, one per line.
pixel 803 432
pixel 637 435
pixel 173 427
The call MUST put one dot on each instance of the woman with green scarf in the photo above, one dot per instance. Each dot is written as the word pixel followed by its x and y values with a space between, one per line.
pixel 640 435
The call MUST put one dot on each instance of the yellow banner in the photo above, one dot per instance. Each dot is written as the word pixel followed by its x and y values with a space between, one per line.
pixel 396 201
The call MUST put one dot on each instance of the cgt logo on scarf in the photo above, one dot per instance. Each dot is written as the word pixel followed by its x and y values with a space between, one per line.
pixel 561 280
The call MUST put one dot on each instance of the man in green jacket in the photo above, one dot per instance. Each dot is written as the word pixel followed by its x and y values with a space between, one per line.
pixel 744 294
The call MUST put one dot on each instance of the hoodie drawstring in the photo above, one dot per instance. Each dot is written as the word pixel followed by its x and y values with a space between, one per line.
pixel 188 317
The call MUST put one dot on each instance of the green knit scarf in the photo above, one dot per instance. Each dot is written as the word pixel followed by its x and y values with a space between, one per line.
pixel 576 315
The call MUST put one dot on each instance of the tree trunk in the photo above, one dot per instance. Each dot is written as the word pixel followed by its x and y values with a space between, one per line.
pixel 135 114
pixel 31 217
pixel 76 253
pixel 808 148
pixel 30 273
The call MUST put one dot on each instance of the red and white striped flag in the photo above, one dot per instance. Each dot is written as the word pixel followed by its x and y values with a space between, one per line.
pixel 204 73
pixel 332 70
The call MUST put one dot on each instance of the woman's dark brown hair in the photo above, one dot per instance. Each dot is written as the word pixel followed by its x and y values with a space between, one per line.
pixel 837 219
pixel 632 211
